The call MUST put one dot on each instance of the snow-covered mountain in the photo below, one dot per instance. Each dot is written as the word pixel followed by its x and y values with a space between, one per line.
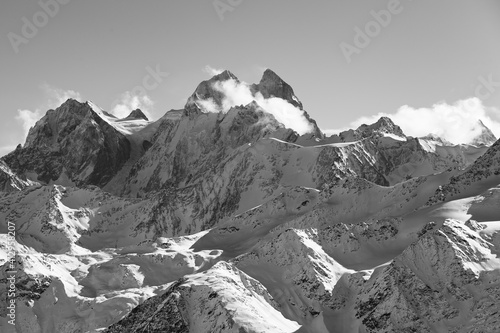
pixel 383 127
pixel 485 136
pixel 71 145
pixel 10 181
pixel 219 218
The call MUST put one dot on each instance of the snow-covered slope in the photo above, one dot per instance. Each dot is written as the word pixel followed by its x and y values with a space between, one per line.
pixel 222 299
pixel 129 125
pixel 485 136
pixel 448 280
pixel 483 172
pixel 9 181
pixel 383 127
pixel 296 271
pixel 82 290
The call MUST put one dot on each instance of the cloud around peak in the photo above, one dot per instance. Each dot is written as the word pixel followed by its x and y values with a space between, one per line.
pixel 54 97
pixel 128 102
pixel 237 93
pixel 457 123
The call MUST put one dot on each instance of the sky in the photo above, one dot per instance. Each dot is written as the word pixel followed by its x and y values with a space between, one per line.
pixel 431 65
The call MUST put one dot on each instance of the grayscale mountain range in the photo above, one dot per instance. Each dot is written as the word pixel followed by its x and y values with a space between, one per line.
pixel 240 215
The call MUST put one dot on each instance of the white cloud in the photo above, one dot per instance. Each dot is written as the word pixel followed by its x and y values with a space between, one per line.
pixel 238 93
pixel 208 105
pixel 457 123
pixel 128 102
pixel 286 113
pixel 212 71
pixel 54 98
pixel 28 118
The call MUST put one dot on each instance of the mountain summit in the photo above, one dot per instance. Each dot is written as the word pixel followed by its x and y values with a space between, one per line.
pixel 225 90
pixel 271 85
pixel 384 126
pixel 485 137
pixel 135 115
pixel 72 144
pixel 208 91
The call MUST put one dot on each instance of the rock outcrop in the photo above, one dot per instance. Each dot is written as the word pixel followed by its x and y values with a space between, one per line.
pixel 71 145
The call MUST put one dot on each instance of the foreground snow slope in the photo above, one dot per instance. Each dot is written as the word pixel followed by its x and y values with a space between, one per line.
pixel 448 280
pixel 81 291
pixel 222 299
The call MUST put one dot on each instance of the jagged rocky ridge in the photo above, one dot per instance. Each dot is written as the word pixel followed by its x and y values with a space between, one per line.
pixel 71 143
pixel 207 210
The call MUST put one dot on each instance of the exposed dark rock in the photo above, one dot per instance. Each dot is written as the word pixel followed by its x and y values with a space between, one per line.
pixel 71 140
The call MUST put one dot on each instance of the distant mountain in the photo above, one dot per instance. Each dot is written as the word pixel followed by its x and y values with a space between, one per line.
pixel 135 115
pixel 383 127
pixel 486 136
pixel 435 139
pixel 271 85
pixel 206 90
pixel 72 145
pixel 485 170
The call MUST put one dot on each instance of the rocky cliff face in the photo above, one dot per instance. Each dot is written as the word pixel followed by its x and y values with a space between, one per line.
pixel 296 271
pixel 271 85
pixel 73 145
pixel 436 283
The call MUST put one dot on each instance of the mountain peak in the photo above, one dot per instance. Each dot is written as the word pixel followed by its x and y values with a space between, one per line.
pixel 253 105
pixel 437 139
pixel 224 76
pixel 385 121
pixel 271 85
pixel 384 125
pixel 73 143
pixel 70 101
pixel 270 75
pixel 485 137
pixel 136 114
pixel 207 91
